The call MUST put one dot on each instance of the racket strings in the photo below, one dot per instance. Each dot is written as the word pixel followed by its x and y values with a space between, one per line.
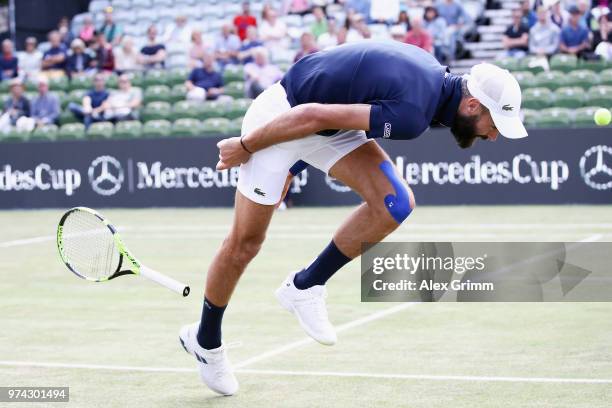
pixel 89 246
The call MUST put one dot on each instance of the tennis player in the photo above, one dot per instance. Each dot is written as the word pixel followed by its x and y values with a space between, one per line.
pixel 326 112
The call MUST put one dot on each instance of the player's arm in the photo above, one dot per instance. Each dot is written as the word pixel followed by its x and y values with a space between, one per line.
pixel 298 122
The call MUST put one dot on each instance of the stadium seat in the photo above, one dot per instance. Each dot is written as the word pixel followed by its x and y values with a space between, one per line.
pixel 233 73
pixel 186 127
pixel 533 64
pixel 537 98
pixel 156 110
pixel 551 79
pixel 15 135
pixel 100 130
pixel 128 129
pixel 605 77
pixel 156 128
pixel 569 97
pixel 563 62
pixel 553 117
pixel 185 109
pixel 75 96
pixel 136 79
pixel 237 108
pixel 58 84
pixel 112 82
pixel 582 78
pixel 157 93
pixel 67 117
pixel 178 93
pixel 215 126
pixel 30 85
pixel 44 133
pixel 583 117
pixel 71 131
pixel 529 117
pixel 525 78
pixel 177 76
pixel 235 127
pixel 80 82
pixel 212 109
pixel 600 95
pixel 154 77
pixel 593 65
pixel 235 89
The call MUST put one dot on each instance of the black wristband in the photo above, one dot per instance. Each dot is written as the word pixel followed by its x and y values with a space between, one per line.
pixel 244 147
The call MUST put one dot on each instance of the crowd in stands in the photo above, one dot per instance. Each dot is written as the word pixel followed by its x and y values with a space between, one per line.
pixel 253 40
pixel 583 29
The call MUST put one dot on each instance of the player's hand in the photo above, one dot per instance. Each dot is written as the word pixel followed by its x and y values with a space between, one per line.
pixel 231 153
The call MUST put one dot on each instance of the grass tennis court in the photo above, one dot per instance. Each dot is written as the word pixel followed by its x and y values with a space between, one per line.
pixel 115 343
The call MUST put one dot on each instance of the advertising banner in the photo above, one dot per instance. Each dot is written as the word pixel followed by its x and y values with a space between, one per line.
pixel 549 167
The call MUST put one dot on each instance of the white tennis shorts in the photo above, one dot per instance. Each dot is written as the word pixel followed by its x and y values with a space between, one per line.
pixel 263 177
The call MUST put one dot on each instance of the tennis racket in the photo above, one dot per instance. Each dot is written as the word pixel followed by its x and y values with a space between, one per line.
pixel 91 248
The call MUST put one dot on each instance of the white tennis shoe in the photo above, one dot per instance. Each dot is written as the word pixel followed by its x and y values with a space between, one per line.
pixel 214 366
pixel 308 306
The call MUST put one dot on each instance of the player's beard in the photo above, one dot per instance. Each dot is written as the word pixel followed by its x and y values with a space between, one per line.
pixel 464 130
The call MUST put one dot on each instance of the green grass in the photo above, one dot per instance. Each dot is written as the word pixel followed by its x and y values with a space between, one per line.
pixel 49 315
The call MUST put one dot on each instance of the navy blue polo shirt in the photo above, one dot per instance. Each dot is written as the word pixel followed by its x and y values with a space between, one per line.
pixel 573 37
pixel 61 49
pixel 97 97
pixel 204 79
pixel 406 86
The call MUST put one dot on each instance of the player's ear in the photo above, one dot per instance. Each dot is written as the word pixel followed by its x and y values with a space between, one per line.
pixel 473 106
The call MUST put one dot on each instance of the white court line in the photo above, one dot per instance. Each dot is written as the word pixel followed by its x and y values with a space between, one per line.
pixel 468 378
pixel 343 327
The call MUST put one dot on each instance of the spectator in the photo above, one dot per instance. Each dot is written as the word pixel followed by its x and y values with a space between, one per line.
pixel 29 60
pixel 105 59
pixel 436 26
pixel 123 103
pixel 197 49
pixel 8 61
pixel 544 35
pixel 419 36
pixel 249 44
pixel 79 62
pixel 259 74
pixel 602 38
pixel 527 14
pixel 177 32
pixel 308 46
pixel 516 37
pixel 112 30
pixel 153 55
pixel 320 24
pixel 329 38
pixel 94 104
pixel 127 58
pixel 356 28
pixel 227 46
pixel 88 30
pixel 398 32
pixel 63 28
pixel 403 19
pixel 384 11
pixel 45 106
pixel 300 7
pixel 245 20
pixel 557 14
pixel 16 107
pixel 273 32
pixel 54 59
pixel 359 7
pixel 574 37
pixel 457 22
pixel 585 13
pixel 205 83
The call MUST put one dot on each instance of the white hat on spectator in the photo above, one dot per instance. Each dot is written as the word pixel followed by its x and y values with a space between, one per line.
pixel 498 91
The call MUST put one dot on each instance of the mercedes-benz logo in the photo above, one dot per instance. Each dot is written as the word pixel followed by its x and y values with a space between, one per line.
pixel 595 172
pixel 105 175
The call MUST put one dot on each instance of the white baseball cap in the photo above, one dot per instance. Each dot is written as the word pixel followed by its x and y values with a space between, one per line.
pixel 498 91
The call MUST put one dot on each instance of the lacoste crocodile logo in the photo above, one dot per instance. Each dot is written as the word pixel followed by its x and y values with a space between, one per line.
pixel 258 191
pixel 507 108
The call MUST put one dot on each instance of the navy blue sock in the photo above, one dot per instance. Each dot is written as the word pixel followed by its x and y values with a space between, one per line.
pixel 321 269
pixel 209 335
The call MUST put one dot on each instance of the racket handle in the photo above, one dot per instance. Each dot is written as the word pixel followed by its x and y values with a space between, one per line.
pixel 163 280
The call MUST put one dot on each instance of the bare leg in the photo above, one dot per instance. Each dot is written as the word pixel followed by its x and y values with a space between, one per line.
pixel 371 221
pixel 248 232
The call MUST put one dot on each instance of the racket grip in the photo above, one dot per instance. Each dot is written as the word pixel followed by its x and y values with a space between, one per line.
pixel 163 280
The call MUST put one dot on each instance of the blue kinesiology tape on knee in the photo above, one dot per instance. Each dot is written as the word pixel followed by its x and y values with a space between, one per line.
pixel 398 205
